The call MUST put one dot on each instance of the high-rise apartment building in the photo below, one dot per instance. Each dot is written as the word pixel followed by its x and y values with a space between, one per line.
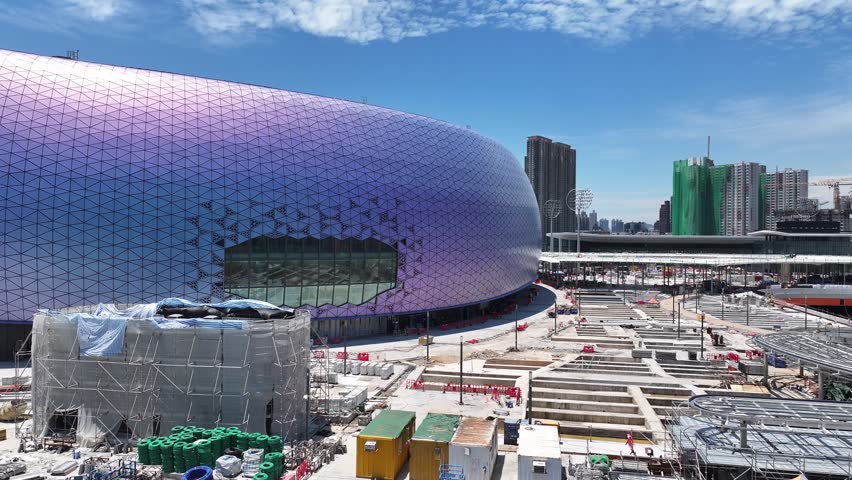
pixel 584 221
pixel 552 170
pixel 665 221
pixel 743 206
pixel 593 221
pixel 617 225
pixel 604 224
pixel 786 193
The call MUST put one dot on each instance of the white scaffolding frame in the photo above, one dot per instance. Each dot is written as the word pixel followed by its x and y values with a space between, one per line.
pixel 248 373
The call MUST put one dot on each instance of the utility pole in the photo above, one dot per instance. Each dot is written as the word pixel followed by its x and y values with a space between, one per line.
pixel 748 302
pixel 579 304
pixel 428 339
pixel 308 405
pixel 555 315
pixel 678 317
pixel 345 353
pixel 514 312
pixel 461 370
pixel 529 397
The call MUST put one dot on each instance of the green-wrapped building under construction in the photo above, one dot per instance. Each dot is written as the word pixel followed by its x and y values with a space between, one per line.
pixel 694 195
pixel 710 199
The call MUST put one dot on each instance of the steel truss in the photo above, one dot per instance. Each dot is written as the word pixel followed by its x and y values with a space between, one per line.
pixel 741 438
pixel 812 350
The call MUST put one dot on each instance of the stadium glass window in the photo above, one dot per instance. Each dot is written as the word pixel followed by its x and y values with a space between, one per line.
pixel 309 271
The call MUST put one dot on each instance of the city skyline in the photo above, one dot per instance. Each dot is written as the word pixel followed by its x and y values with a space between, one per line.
pixel 772 89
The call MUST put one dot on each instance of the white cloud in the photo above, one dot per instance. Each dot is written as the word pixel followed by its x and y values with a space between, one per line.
pixel 607 21
pixel 70 15
pixel 360 21
pixel 768 121
pixel 98 10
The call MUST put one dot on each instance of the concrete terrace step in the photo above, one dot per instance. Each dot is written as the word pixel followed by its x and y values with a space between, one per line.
pixel 602 341
pixel 469 379
pixel 626 366
pixel 507 363
pixel 588 417
pixel 607 358
pixel 568 384
pixel 610 397
pixel 665 401
pixel 584 406
pixel 693 370
pixel 617 383
pixel 674 348
pixel 667 391
pixel 602 368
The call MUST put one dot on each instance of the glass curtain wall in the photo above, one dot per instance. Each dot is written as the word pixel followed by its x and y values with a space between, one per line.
pixel 310 271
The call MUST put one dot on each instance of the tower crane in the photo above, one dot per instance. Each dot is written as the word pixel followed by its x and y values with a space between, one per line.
pixel 835 184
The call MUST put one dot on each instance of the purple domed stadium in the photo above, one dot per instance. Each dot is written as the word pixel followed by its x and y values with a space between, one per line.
pixel 124 185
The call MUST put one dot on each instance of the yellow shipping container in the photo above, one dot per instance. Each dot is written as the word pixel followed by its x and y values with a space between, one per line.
pixel 382 447
pixel 430 446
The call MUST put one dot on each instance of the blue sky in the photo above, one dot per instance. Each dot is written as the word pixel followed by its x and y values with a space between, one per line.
pixel 631 84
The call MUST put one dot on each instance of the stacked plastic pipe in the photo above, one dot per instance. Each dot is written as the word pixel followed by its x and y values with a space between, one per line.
pixel 187 447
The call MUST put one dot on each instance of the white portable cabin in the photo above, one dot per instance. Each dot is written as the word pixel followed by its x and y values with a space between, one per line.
pixel 474 448
pixel 539 454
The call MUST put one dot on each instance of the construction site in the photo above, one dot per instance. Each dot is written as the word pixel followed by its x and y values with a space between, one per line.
pixel 631 383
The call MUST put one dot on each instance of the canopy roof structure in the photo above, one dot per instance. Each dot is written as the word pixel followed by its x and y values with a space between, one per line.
pixel 693 259
pixel 775 438
pixel 772 452
pixel 816 351
pixel 775 411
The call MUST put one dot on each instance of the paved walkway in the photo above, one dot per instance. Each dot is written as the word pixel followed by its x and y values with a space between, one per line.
pixel 494 335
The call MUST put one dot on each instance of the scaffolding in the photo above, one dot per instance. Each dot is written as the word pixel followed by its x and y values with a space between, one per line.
pixel 248 373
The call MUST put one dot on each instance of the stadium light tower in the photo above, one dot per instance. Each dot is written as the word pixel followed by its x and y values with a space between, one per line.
pixel 552 209
pixel 579 200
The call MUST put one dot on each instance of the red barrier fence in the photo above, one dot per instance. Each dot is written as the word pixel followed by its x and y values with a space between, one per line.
pixel 514 392
pixel 363 356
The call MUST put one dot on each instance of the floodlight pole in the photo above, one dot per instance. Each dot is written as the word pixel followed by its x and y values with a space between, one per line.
pixel 577 223
pixel 552 209
pixel 551 234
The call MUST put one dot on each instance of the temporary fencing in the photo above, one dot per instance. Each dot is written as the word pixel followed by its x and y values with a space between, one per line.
pixel 514 392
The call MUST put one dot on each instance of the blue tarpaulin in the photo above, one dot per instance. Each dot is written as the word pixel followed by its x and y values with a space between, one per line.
pixel 237 303
pixel 99 336
pixel 101 333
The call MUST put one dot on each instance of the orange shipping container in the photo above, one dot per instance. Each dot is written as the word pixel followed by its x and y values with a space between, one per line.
pixel 382 447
